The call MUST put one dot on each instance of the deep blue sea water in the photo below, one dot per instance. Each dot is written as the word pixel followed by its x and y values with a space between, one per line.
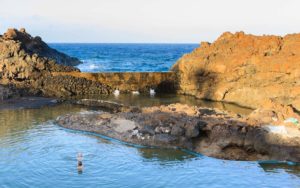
pixel 125 57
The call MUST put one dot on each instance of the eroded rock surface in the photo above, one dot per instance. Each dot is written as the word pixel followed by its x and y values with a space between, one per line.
pixel 26 44
pixel 9 91
pixel 243 69
pixel 208 131
pixel 28 63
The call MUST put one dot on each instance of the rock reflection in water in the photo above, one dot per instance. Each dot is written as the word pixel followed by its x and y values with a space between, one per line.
pixel 18 120
pixel 164 156
pixel 165 99
pixel 277 167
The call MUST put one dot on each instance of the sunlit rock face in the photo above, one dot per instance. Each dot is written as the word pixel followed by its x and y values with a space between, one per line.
pixel 243 69
pixel 32 45
pixel 28 62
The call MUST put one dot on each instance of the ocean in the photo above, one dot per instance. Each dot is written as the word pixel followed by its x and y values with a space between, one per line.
pixel 125 57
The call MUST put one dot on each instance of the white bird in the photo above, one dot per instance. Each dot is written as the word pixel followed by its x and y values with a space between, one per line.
pixel 135 92
pixel 152 92
pixel 117 92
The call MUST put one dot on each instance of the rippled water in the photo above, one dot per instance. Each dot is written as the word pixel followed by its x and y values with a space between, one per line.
pixel 145 100
pixel 125 57
pixel 36 153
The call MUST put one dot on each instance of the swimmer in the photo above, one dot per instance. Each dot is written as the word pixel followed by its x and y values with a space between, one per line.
pixel 79 162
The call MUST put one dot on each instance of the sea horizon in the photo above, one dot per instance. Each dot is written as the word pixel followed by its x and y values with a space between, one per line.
pixel 125 57
pixel 154 43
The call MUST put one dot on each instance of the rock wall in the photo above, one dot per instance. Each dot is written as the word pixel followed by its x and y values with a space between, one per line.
pixel 243 69
pixel 10 91
pixel 131 81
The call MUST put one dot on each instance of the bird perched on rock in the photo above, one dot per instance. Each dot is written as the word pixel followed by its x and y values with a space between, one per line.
pixel 135 92
pixel 152 92
pixel 116 92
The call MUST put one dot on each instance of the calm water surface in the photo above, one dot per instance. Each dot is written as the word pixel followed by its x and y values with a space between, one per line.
pixel 145 100
pixel 34 152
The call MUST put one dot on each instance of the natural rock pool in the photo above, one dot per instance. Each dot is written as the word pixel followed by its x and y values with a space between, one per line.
pixel 35 152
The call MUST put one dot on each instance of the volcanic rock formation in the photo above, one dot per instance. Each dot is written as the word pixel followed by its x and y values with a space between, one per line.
pixel 243 69
pixel 27 62
pixel 208 131
pixel 33 45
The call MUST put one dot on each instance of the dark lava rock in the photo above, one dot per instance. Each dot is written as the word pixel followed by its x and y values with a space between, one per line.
pixel 29 63
pixel 35 45
pixel 201 124
pixel 222 137
pixel 147 130
pixel 177 131
pixel 10 92
pixel 164 139
pixel 192 131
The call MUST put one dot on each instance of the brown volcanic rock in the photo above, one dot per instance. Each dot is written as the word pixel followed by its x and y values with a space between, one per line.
pixel 208 131
pixel 28 63
pixel 35 45
pixel 243 69
pixel 10 91
pixel 22 57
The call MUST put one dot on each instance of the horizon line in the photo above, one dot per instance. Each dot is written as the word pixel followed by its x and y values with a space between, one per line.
pixel 122 43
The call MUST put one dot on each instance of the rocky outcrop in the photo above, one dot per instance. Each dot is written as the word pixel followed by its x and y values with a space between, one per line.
pixel 273 113
pixel 243 69
pixel 208 131
pixel 27 62
pixel 21 42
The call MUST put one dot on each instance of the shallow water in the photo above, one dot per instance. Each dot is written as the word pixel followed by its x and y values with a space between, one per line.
pixel 34 152
pixel 145 100
pixel 125 57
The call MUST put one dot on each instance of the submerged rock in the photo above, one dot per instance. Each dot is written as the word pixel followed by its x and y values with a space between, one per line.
pixel 220 135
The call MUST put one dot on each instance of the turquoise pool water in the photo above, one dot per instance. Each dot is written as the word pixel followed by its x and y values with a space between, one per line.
pixel 34 152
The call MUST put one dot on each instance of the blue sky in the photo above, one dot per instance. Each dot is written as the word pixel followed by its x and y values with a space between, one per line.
pixel 167 21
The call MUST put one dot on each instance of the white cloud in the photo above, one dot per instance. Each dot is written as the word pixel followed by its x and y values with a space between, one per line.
pixel 148 20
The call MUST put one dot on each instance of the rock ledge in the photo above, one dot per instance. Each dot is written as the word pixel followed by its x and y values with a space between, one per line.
pixel 207 131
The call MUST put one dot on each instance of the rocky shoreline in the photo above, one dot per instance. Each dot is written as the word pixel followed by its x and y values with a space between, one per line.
pixel 244 69
pixel 207 131
pixel 256 71
pixel 27 63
